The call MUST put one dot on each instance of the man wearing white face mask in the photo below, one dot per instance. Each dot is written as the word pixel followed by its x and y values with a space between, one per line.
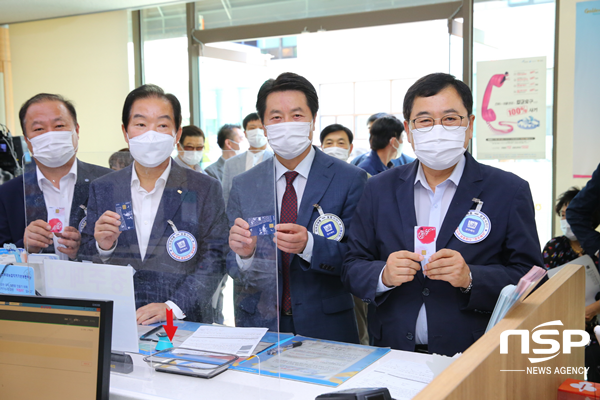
pixel 166 221
pixel 298 184
pixel 336 141
pixel 231 141
pixel 257 153
pixel 190 148
pixel 433 242
pixel 386 144
pixel 57 181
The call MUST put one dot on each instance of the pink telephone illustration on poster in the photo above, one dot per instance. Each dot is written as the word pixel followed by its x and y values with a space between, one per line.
pixel 511 120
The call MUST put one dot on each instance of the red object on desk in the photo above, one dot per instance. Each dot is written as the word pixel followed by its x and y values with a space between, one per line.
pixel 169 327
pixel 573 389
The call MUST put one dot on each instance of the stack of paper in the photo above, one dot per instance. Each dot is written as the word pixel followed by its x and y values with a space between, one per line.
pixel 511 294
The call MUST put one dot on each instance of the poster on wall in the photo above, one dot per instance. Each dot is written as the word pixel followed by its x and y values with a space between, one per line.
pixel 586 104
pixel 511 114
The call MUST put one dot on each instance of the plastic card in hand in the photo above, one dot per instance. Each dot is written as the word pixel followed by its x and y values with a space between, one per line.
pixel 425 237
pixel 56 219
pixel 17 280
pixel 260 226
pixel 125 212
pixel 198 363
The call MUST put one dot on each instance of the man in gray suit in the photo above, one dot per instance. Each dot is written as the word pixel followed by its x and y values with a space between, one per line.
pixel 229 139
pixel 255 133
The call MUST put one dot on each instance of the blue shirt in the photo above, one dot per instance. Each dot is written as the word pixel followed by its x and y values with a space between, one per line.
pixel 402 160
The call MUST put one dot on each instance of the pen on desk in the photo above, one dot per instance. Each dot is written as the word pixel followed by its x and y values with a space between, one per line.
pixel 280 349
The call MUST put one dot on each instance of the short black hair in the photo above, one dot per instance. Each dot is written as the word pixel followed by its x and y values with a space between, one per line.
pixel 566 197
pixel 190 130
pixel 334 128
pixel 249 118
pixel 383 130
pixel 120 159
pixel 38 98
pixel 226 132
pixel 284 82
pixel 147 91
pixel 375 117
pixel 432 84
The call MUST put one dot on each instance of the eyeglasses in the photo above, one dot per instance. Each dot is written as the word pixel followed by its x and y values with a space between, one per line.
pixel 450 122
pixel 192 148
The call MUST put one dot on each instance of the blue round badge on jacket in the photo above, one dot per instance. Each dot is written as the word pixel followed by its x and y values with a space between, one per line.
pixel 182 246
pixel 82 224
pixel 330 226
pixel 474 227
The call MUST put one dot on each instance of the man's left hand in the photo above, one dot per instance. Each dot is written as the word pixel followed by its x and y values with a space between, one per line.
pixel 71 238
pixel 152 313
pixel 291 238
pixel 448 265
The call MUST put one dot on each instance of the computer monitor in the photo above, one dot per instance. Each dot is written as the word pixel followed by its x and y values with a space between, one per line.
pixel 54 348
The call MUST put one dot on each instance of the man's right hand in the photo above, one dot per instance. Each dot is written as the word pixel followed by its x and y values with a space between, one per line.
pixel 240 240
pixel 401 267
pixel 106 231
pixel 37 236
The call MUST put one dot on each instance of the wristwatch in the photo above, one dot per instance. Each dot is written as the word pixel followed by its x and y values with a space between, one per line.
pixel 468 288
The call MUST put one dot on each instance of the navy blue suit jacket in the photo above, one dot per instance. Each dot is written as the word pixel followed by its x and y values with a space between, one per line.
pixel 384 223
pixel 580 211
pixel 322 307
pixel 15 217
pixel 194 203
pixel 396 162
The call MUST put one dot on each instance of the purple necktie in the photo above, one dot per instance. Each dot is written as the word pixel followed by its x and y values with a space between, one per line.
pixel 289 213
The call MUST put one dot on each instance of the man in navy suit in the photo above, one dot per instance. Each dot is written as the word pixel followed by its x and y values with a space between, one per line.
pixel 57 179
pixel 294 187
pixel 484 239
pixel 174 222
pixel 580 211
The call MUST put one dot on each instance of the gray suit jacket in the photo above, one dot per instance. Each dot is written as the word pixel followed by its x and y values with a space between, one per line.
pixel 215 170
pixel 235 166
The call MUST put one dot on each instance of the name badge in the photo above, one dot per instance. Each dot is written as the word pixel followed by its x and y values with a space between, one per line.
pixel 181 245
pixel 328 225
pixel 475 226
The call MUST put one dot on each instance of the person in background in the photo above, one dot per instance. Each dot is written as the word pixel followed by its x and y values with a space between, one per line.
pixel 580 211
pixel 57 180
pixel 229 139
pixel 358 159
pixel 190 148
pixel 120 159
pixel 562 249
pixel 385 141
pixel 170 225
pixel 336 141
pixel 257 153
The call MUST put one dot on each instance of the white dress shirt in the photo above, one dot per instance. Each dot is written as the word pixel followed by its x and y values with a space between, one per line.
pixel 253 158
pixel 303 169
pixel 145 206
pixel 62 197
pixel 430 209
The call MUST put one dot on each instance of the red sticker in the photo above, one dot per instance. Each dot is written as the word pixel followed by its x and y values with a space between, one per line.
pixel 56 225
pixel 426 234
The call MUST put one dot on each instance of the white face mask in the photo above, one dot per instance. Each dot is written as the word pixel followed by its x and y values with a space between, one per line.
pixel 192 157
pixel 566 229
pixel 151 148
pixel 289 139
pixel 398 149
pixel 337 152
pixel 439 148
pixel 243 147
pixel 53 149
pixel 256 138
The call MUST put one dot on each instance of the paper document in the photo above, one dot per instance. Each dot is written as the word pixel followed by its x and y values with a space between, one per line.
pixel 238 341
pixel 404 379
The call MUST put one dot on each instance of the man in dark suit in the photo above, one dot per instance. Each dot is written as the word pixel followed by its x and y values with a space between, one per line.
pixel 484 239
pixel 174 218
pixel 580 211
pixel 293 187
pixel 57 179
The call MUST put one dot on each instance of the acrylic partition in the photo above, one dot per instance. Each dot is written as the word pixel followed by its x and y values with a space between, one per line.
pixel 162 246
